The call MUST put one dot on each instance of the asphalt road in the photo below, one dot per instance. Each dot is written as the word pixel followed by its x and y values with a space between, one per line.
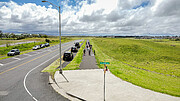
pixel 21 78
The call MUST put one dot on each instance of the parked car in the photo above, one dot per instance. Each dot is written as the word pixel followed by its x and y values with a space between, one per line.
pixel 74 49
pixel 77 45
pixel 47 44
pixel 36 47
pixel 68 56
pixel 13 52
pixel 42 45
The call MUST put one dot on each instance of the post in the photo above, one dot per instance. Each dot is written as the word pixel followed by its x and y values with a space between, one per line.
pixel 104 86
pixel 104 82
pixel 60 71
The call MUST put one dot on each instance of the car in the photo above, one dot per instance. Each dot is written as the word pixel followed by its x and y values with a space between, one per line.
pixel 68 56
pixel 36 47
pixel 13 52
pixel 47 44
pixel 42 45
pixel 74 49
pixel 77 45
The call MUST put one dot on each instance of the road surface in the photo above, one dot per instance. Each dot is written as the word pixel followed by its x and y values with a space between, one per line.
pixel 21 78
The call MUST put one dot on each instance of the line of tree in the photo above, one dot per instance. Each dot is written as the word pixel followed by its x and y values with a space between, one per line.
pixel 20 36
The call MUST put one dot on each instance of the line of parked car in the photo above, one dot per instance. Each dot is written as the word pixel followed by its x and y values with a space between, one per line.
pixel 17 52
pixel 40 46
pixel 68 56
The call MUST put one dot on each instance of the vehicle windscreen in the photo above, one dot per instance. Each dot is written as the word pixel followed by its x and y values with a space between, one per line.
pixel 67 55
pixel 12 50
pixel 76 44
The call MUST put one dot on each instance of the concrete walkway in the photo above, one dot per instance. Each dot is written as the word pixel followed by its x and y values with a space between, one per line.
pixel 87 84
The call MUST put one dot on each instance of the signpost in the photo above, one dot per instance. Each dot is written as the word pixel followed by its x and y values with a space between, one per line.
pixel 105 69
pixel 104 63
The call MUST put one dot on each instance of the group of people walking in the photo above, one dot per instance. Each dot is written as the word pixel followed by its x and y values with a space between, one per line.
pixel 88 47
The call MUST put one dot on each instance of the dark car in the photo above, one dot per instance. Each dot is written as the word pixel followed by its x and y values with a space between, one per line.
pixel 13 52
pixel 68 56
pixel 77 45
pixel 47 44
pixel 42 45
pixel 74 49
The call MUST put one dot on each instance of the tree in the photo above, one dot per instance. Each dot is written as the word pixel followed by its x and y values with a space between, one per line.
pixel 13 35
pixel 47 40
pixel 6 35
pixel 1 34
pixel 45 36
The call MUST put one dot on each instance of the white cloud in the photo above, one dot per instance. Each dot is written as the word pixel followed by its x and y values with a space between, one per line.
pixel 122 17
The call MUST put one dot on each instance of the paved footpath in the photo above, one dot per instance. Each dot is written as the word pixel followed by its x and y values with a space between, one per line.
pixel 88 61
pixel 87 84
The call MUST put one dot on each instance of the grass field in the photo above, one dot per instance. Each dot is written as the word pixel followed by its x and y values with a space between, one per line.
pixel 158 62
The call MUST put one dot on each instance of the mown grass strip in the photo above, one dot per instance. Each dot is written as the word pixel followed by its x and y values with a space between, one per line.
pixel 145 79
pixel 73 65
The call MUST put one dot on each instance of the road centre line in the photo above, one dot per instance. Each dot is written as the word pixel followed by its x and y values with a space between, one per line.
pixel 25 63
pixel 30 72
pixel 28 61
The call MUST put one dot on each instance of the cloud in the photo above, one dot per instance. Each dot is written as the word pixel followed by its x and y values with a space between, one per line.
pixel 94 17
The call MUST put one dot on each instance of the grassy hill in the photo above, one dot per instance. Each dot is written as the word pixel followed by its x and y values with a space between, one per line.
pixel 152 64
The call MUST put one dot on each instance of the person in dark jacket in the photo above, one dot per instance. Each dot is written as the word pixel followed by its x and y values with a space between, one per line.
pixel 89 52
pixel 84 51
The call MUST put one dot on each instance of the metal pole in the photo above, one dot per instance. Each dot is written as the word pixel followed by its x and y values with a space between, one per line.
pixel 104 86
pixel 60 71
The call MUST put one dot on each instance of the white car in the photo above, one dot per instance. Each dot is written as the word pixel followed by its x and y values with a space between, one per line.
pixel 36 47
pixel 13 52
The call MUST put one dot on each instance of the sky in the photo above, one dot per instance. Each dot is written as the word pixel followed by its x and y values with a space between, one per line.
pixel 91 17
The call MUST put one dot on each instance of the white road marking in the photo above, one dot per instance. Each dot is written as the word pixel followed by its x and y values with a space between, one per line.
pixel 1 64
pixel 27 54
pixel 16 58
pixel 29 73
pixel 3 93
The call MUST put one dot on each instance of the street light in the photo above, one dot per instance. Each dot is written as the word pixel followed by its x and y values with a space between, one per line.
pixel 58 7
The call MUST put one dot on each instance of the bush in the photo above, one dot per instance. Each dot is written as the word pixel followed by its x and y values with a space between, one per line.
pixel 47 40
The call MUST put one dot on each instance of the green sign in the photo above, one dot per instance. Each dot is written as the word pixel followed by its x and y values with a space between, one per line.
pixel 104 63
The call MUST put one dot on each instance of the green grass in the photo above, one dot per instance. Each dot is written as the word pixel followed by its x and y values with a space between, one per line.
pixel 145 54
pixel 9 41
pixel 51 69
pixel 73 65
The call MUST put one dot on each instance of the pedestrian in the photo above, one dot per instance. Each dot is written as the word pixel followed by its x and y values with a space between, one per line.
pixel 94 52
pixel 90 46
pixel 88 49
pixel 89 52
pixel 84 51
